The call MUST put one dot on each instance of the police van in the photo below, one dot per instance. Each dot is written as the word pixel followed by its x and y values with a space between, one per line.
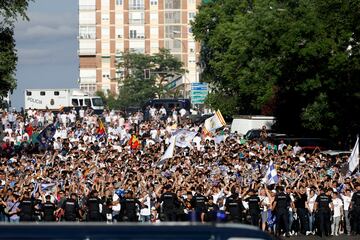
pixel 56 99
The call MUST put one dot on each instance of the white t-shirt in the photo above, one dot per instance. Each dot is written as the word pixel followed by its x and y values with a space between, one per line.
pixel 311 202
pixel 347 201
pixel 337 202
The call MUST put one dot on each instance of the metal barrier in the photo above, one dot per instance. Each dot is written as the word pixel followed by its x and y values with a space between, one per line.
pixel 161 231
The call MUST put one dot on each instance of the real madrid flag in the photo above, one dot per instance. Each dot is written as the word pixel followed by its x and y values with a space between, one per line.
pixel 214 122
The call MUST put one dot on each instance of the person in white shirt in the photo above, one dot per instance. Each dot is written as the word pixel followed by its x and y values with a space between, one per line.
pixel 337 214
pixel 311 199
pixel 347 200
pixel 296 149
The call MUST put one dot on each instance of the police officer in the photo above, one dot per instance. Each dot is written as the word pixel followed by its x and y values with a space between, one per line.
pixel 26 207
pixel 211 210
pixel 169 202
pixel 281 205
pixel 48 210
pixel 323 211
pixel 128 206
pixel 199 205
pixel 93 204
pixel 254 207
pixel 355 206
pixel 234 206
pixel 71 208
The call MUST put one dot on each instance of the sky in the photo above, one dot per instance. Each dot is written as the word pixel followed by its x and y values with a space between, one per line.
pixel 47 47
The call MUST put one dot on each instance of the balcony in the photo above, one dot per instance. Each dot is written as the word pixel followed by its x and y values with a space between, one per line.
pixel 87 51
pixel 136 7
pixel 136 21
pixel 87 7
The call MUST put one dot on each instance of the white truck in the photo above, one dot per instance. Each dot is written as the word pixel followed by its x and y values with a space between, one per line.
pixel 244 123
pixel 56 99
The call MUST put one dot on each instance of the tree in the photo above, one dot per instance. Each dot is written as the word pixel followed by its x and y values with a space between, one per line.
pixel 134 88
pixel 297 59
pixel 10 11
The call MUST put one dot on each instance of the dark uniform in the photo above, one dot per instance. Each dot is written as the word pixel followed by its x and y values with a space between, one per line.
pixel 282 212
pixel 170 202
pixel 27 210
pixel 323 214
pixel 211 212
pixel 128 206
pixel 199 205
pixel 254 209
pixel 48 210
pixel 356 211
pixel 92 204
pixel 234 206
pixel 71 209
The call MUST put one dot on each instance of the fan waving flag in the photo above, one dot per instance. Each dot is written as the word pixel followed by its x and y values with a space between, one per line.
pixel 46 135
pixel 271 176
pixel 169 153
pixel 101 129
pixel 184 138
pixel 134 142
pixel 215 122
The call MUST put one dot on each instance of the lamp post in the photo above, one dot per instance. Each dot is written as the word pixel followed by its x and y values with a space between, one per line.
pixel 181 52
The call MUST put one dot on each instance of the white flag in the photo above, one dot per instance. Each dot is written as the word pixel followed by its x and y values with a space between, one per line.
pixel 354 157
pixel 214 122
pixel 169 153
pixel 184 138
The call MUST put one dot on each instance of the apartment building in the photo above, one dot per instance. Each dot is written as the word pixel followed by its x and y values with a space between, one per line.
pixel 109 27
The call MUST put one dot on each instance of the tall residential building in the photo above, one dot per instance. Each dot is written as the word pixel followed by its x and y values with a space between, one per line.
pixel 109 27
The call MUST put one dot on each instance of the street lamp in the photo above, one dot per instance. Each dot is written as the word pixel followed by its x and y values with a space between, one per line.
pixel 181 52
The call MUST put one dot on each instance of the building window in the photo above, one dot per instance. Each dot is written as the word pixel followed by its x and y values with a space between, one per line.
pixel 172 4
pixel 119 17
pixel 172 17
pixel 105 17
pixel 172 31
pixel 136 4
pixel 191 16
pixel 28 93
pixel 42 93
pixel 153 2
pixel 105 31
pixel 119 32
pixel 136 33
pixel 119 2
pixel 136 18
pixel 90 88
pixel 56 93
pixel 87 32
pixel 154 16
pixel 154 32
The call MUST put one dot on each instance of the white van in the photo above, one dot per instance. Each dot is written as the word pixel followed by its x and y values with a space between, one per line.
pixel 56 99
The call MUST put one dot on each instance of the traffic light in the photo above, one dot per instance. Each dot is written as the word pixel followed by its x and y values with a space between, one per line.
pixel 147 73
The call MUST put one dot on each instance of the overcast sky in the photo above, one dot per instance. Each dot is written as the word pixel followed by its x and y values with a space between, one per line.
pixel 47 47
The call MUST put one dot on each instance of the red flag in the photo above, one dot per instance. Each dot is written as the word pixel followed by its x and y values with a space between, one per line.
pixel 134 142
pixel 101 129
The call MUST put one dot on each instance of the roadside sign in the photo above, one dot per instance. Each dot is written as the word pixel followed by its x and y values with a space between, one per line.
pixel 199 91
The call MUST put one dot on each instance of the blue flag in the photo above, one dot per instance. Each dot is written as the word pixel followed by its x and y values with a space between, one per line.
pixel 47 134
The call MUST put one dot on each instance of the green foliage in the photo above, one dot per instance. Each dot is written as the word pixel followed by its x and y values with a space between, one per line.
pixel 10 11
pixel 296 59
pixel 134 89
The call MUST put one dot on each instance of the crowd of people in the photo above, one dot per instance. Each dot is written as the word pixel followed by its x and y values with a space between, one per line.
pixel 79 166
